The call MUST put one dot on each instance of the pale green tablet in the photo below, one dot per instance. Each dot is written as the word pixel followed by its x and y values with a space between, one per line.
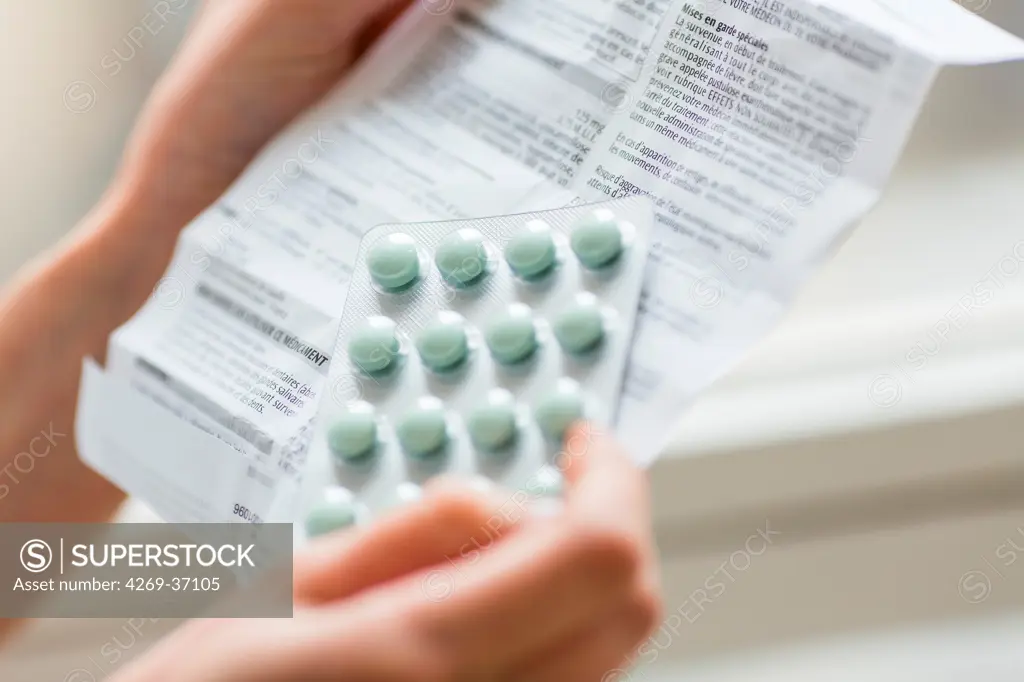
pixel 394 262
pixel 374 348
pixel 353 435
pixel 557 411
pixel 598 240
pixel 462 258
pixel 580 328
pixel 512 338
pixel 444 344
pixel 492 427
pixel 531 253
pixel 424 431
pixel 336 511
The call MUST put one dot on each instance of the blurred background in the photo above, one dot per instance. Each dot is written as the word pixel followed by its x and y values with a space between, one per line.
pixel 830 509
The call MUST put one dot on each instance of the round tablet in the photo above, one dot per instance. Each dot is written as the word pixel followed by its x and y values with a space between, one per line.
pixel 424 431
pixel 492 426
pixel 394 262
pixel 337 510
pixel 531 253
pixel 557 411
pixel 374 348
pixel 353 435
pixel 462 258
pixel 512 338
pixel 597 240
pixel 580 328
pixel 444 344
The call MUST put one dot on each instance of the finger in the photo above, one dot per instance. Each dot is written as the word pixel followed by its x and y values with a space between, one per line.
pixel 375 28
pixel 607 490
pixel 604 486
pixel 446 523
pixel 491 610
pixel 545 584
pixel 506 605
pixel 325 23
pixel 246 70
pixel 598 653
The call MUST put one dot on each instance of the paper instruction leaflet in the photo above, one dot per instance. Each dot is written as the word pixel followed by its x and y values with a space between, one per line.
pixel 762 130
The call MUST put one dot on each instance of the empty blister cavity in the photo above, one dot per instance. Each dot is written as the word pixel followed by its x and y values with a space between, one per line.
pixel 395 263
pixel 532 252
pixel 512 337
pixel 546 488
pixel 374 348
pixel 403 495
pixel 547 482
pixel 463 259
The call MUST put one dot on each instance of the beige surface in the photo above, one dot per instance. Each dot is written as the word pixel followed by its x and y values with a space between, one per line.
pixel 847 583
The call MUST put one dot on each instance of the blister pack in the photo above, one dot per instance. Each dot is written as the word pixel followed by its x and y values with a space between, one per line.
pixel 469 347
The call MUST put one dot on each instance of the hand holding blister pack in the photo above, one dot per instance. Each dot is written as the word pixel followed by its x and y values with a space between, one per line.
pixel 469 347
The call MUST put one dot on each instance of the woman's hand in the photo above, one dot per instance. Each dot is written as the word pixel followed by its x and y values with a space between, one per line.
pixel 246 69
pixel 461 587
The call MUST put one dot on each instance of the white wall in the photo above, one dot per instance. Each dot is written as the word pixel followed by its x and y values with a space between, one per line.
pixel 69 100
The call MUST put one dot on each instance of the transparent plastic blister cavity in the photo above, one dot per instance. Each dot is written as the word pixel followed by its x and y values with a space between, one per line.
pixel 468 347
